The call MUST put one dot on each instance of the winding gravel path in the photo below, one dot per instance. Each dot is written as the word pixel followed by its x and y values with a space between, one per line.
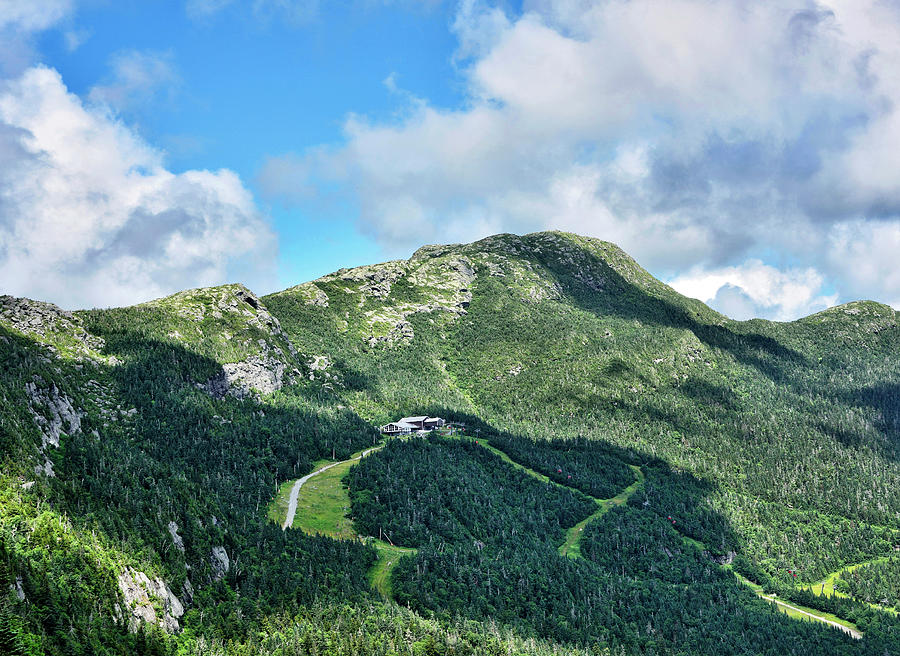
pixel 295 490
pixel 853 633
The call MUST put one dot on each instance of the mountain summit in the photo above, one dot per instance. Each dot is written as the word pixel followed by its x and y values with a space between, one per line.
pixel 626 451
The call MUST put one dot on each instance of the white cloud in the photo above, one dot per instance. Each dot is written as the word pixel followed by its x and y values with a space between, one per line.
pixel 866 256
pixel 75 39
pixel 20 20
pixel 755 289
pixel 199 9
pixel 296 12
pixel 89 216
pixel 32 15
pixel 693 133
pixel 136 79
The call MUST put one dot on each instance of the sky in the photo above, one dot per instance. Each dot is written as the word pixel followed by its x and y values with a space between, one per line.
pixel 746 153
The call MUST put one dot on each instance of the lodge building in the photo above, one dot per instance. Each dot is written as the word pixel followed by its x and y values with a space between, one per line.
pixel 409 425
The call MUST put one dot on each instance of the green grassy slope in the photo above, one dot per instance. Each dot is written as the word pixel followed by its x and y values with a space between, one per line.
pixel 793 426
pixel 195 409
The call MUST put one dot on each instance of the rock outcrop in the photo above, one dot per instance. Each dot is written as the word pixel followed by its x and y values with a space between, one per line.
pixel 220 562
pixel 176 539
pixel 245 327
pixel 51 326
pixel 258 374
pixel 143 596
pixel 54 414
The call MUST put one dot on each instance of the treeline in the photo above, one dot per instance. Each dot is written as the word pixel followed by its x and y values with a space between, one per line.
pixel 642 588
pixel 876 583
pixel 591 466
pixel 435 491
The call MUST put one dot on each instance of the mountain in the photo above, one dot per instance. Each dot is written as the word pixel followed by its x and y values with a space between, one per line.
pixel 144 447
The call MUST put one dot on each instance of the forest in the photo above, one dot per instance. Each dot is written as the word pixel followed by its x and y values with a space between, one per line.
pixel 876 583
pixel 772 445
pixel 640 586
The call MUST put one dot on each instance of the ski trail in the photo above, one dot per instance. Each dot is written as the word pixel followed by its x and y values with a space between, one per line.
pixel 295 489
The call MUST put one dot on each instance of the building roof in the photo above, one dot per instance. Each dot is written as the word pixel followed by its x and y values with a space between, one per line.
pixel 412 419
pixel 400 424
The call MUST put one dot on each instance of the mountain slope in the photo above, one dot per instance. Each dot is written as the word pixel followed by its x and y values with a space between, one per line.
pixel 149 440
pixel 565 336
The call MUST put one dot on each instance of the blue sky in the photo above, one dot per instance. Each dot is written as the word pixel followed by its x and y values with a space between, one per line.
pixel 743 152
pixel 245 86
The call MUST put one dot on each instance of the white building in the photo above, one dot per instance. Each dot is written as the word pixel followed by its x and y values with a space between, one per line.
pixel 409 425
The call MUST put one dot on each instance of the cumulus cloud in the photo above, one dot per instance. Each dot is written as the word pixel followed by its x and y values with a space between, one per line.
pixel 865 253
pixel 90 216
pixel 693 133
pixel 32 15
pixel 755 289
pixel 295 12
pixel 19 21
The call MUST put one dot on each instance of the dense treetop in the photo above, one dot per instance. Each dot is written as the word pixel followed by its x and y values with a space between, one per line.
pixel 779 442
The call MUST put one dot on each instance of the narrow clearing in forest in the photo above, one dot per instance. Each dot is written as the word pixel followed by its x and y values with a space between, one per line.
pixel 826 585
pixel 572 547
pixel 324 512
pixel 801 612
pixel 295 490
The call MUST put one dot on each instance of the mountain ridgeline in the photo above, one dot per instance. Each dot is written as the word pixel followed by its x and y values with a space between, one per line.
pixel 142 446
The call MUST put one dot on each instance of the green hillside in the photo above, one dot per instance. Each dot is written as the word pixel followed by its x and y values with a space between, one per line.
pixel 142 448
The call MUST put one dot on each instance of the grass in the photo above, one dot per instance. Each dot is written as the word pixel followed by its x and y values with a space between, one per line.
pixel 797 611
pixel 323 504
pixel 572 546
pixel 487 445
pixel 826 585
pixel 380 574
pixel 277 509
pixel 322 507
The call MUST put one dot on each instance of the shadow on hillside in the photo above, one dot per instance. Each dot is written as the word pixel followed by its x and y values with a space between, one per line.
pixel 709 393
pixel 637 564
pixel 621 298
pixel 665 488
pixel 158 449
pixel 885 400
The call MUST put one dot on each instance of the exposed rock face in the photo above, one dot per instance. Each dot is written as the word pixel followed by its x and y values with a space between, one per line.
pixel 311 294
pixel 17 588
pixel 176 539
pixel 220 562
pixel 49 325
pixel 246 325
pixel 320 368
pixel 376 280
pixel 62 416
pixel 434 273
pixel 142 597
pixel 54 414
pixel 727 559
pixel 257 374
